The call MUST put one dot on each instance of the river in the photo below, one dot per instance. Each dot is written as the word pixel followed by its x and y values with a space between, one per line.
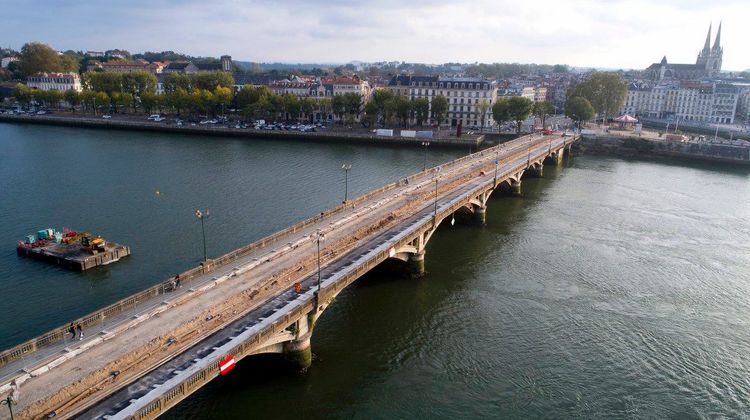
pixel 611 289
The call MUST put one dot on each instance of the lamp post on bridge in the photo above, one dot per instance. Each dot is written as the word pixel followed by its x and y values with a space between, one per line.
pixel 202 216
pixel 424 163
pixel 12 398
pixel 497 163
pixel 346 168
pixel 319 237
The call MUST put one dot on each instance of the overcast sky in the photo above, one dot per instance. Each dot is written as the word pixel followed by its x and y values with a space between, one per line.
pixel 596 33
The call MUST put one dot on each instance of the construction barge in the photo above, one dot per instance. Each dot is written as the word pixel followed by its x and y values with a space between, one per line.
pixel 73 250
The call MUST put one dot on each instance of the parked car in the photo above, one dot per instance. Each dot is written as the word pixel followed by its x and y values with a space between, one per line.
pixel 106 117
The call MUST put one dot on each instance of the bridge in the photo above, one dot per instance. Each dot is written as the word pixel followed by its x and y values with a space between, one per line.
pixel 144 354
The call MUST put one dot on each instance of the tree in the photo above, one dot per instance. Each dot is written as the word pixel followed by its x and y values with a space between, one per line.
pixel 325 105
pixel 500 112
pixel 439 108
pixel 403 109
pixel 338 105
pixel 209 80
pixel 222 97
pixel 36 57
pixel 579 109
pixel 483 107
pixel 307 106
pixel 605 91
pixel 290 105
pixel 175 81
pixel 179 99
pixel 73 98
pixel 87 99
pixel 69 63
pixel 352 104
pixel 22 93
pixel 371 113
pixel 149 101
pixel 421 108
pixel 101 100
pixel 381 108
pixel 542 109
pixel 519 109
pixel 103 82
pixel 137 84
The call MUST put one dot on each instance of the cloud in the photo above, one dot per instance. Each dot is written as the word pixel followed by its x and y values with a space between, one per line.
pixel 603 33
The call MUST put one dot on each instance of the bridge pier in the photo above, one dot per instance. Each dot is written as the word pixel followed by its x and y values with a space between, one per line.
pixel 480 214
pixel 298 351
pixel 515 188
pixel 416 264
pixel 537 171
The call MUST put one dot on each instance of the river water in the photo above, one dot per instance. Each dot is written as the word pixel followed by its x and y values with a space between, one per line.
pixel 610 289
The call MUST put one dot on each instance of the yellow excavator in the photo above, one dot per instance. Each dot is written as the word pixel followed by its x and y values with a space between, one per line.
pixel 93 245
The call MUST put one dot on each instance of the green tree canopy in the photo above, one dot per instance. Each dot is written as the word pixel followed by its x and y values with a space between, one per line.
pixel 209 80
pixel 606 91
pixel 519 109
pixel 500 111
pixel 579 109
pixel 36 57
pixel 542 110
pixel 421 107
pixel 439 108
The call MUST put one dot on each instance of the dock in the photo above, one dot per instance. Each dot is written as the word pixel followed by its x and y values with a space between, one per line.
pixel 73 257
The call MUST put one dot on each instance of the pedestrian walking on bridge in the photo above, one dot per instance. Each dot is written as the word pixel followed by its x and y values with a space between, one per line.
pixel 80 331
pixel 72 331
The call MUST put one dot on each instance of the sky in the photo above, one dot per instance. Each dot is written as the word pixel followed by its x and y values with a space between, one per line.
pixel 583 33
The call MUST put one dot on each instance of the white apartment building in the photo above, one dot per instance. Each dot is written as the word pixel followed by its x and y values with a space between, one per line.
pixel 55 81
pixel 5 61
pixel 687 100
pixel 465 95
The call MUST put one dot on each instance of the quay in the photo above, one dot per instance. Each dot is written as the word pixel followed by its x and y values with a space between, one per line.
pixel 651 146
pixel 137 123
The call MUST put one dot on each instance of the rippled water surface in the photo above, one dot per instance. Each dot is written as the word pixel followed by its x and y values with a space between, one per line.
pixel 611 289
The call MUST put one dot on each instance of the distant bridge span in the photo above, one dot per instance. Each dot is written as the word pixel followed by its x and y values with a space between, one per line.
pixel 143 362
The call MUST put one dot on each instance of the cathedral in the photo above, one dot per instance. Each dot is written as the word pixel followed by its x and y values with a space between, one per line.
pixel 708 63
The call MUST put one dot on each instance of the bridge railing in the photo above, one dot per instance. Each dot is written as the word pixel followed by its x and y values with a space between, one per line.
pixel 58 334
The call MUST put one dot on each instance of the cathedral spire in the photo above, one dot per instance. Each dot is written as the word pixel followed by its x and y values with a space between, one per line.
pixel 707 47
pixel 717 42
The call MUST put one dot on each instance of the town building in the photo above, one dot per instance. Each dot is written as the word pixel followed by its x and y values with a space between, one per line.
pixel 185 67
pixel 95 53
pixel 469 98
pixel 708 63
pixel 709 102
pixel 120 66
pixel 55 81
pixel 5 61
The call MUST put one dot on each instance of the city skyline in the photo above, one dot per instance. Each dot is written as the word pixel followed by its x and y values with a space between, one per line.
pixel 581 33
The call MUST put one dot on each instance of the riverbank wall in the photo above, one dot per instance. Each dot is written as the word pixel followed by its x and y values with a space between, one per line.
pixel 330 135
pixel 636 147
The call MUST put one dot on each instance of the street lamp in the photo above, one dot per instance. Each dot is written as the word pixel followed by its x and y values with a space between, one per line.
pixel 346 168
pixel 424 164
pixel 434 213
pixel 497 163
pixel 319 237
pixel 202 216
pixel 11 399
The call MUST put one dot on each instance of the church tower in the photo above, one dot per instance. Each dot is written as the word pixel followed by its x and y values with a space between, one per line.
pixel 706 51
pixel 709 57
pixel 717 52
